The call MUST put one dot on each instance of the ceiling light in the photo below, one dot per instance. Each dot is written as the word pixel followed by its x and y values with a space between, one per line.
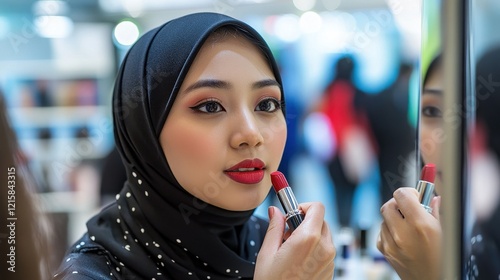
pixel 126 33
pixel 310 22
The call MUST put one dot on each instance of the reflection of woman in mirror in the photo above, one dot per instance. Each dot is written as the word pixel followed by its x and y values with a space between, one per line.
pixel 412 244
pixel 409 236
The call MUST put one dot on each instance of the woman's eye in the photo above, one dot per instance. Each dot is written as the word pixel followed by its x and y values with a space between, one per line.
pixel 210 107
pixel 268 105
pixel 431 112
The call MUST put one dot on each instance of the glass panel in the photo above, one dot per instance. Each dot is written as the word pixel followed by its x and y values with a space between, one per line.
pixel 482 220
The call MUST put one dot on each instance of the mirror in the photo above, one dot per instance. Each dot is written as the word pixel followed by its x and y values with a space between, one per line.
pixel 459 130
pixel 481 230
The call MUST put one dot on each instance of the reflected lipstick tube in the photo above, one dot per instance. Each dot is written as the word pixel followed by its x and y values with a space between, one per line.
pixel 294 216
pixel 425 186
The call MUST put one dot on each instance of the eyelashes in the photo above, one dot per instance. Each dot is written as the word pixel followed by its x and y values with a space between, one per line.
pixel 269 105
pixel 214 106
pixel 210 106
pixel 431 112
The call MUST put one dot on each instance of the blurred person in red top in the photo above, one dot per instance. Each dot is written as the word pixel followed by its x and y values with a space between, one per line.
pixel 354 147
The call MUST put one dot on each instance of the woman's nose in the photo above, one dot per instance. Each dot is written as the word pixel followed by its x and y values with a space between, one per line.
pixel 246 132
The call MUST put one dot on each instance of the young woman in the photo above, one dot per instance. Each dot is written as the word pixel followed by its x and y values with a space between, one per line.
pixel 199 121
pixel 410 238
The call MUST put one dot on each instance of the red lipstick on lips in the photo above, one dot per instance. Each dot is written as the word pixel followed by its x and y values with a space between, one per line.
pixel 249 171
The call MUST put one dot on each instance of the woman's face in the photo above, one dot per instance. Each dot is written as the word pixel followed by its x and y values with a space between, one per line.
pixel 226 132
pixel 431 121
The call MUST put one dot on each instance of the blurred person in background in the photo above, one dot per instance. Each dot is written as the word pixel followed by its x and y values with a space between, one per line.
pixel 394 134
pixel 352 151
pixel 484 244
pixel 24 244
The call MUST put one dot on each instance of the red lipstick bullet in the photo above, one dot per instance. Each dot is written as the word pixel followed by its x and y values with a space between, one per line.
pixel 425 186
pixel 294 216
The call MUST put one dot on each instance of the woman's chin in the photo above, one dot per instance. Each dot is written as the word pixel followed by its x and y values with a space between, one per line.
pixel 240 205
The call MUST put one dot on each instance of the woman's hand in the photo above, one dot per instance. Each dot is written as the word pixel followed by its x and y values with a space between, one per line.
pixel 308 252
pixel 410 237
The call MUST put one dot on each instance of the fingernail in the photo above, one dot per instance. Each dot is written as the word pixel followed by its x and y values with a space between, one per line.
pixel 270 212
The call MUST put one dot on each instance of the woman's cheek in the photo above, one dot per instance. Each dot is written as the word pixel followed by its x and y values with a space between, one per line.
pixel 431 138
pixel 196 141
pixel 427 145
pixel 274 131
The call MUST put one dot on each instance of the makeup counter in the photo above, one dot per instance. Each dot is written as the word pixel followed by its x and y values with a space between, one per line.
pixel 358 257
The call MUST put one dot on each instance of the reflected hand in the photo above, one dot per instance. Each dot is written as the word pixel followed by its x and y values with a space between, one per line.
pixel 308 252
pixel 410 237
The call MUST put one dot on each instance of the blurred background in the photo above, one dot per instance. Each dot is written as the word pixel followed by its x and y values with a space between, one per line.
pixel 351 80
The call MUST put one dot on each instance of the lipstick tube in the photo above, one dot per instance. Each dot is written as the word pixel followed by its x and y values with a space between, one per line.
pixel 294 216
pixel 425 186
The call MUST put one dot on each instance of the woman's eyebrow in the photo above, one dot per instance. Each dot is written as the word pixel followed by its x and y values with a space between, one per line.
pixel 433 91
pixel 219 84
pixel 210 83
pixel 265 83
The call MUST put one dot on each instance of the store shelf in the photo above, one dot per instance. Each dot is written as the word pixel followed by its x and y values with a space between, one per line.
pixel 50 116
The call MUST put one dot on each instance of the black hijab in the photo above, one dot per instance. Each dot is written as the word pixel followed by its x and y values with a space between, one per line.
pixel 156 229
